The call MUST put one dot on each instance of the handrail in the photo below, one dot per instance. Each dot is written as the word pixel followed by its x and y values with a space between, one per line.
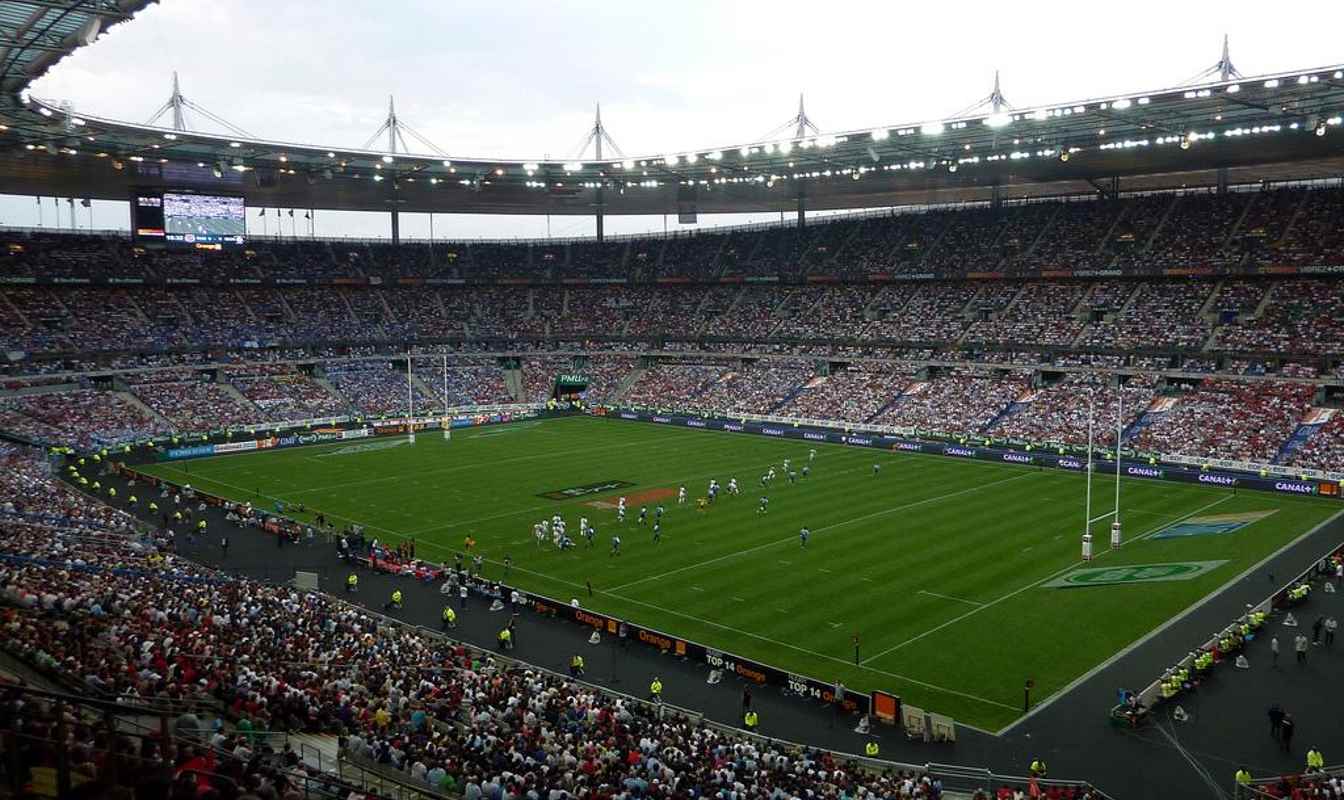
pixel 1256 788
pixel 384 775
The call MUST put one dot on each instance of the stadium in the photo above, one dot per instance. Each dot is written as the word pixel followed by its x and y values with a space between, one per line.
pixel 1004 461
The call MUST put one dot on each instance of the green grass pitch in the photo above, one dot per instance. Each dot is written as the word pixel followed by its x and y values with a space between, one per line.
pixel 937 563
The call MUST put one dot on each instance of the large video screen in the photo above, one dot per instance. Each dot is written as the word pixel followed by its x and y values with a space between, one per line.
pixel 185 219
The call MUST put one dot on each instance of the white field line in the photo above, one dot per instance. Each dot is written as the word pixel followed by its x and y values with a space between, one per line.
pixel 749 634
pixel 678 481
pixel 460 467
pixel 1159 629
pixel 1033 584
pixel 777 542
pixel 950 597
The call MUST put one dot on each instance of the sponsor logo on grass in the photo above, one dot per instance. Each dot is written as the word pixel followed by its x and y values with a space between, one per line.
pixel 663 420
pixel 696 423
pixel 913 446
pixel 1221 480
pixel 1143 472
pixel 959 451
pixel 585 490
pixel 1069 463
pixel 367 447
pixel 1133 573
pixel 1212 525
pixel 816 437
pixel 733 426
pixel 1017 458
pixel 863 440
pixel 772 431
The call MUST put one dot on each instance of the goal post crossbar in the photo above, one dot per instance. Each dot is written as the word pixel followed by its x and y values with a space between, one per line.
pixel 1107 515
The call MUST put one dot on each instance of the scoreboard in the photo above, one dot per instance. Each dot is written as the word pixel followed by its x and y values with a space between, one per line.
pixel 181 218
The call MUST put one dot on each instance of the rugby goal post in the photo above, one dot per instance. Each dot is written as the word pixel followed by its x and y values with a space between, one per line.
pixel 1114 513
pixel 410 402
pixel 447 422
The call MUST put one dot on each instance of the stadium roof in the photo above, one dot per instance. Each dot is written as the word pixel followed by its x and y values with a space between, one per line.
pixel 1270 127
pixel 35 34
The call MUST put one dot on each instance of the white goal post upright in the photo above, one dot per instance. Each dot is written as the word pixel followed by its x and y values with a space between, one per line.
pixel 410 402
pixel 447 422
pixel 1087 507
pixel 1114 512
pixel 1119 431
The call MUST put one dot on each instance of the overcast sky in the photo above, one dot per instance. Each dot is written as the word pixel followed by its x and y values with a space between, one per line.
pixel 520 79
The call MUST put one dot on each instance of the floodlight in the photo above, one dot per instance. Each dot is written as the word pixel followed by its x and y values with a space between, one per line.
pixel 880 134
pixel 1121 104
pixel 931 128
pixel 387 159
pixel 998 120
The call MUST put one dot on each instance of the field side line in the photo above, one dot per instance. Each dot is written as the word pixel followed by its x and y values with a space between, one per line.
pixel 199 478
pixel 1159 629
pixel 751 635
pixel 950 597
pixel 778 542
pixel 1016 592
pixel 826 656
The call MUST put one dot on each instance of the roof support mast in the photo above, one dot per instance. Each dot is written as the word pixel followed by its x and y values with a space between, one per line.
pixel 800 126
pixel 396 133
pixel 595 137
pixel 179 105
pixel 997 104
pixel 1223 70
